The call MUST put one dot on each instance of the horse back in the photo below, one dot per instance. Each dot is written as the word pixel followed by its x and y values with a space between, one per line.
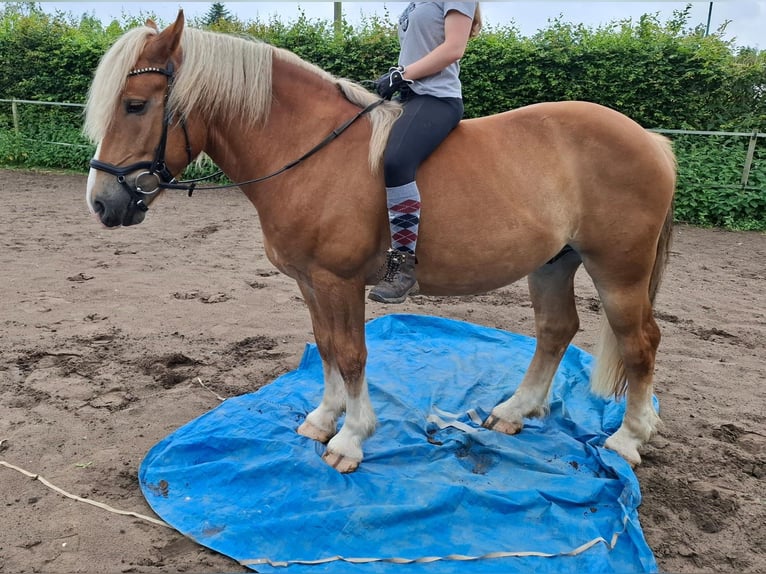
pixel 504 193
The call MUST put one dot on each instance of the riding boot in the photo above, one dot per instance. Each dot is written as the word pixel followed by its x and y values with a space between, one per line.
pixel 399 280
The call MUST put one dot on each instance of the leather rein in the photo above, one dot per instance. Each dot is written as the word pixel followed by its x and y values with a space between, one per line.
pixel 155 176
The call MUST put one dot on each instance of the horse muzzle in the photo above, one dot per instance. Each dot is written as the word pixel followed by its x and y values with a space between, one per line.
pixel 111 200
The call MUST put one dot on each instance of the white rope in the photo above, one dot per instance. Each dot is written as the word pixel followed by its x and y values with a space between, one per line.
pixel 450 557
pixel 204 386
pixel 97 504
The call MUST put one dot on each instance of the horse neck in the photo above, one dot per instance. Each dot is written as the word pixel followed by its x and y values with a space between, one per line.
pixel 305 108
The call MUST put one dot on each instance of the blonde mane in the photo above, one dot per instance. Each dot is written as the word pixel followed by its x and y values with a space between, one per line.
pixel 239 90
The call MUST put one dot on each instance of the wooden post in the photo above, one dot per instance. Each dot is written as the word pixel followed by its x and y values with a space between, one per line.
pixel 15 113
pixel 749 158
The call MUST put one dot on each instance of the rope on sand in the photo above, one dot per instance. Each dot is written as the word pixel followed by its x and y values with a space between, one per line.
pixel 97 504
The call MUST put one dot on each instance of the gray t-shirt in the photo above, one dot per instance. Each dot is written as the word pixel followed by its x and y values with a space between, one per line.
pixel 421 29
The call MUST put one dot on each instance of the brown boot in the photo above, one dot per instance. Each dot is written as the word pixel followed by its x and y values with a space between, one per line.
pixel 399 279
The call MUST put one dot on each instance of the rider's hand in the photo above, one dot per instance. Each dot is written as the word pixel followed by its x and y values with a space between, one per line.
pixel 390 83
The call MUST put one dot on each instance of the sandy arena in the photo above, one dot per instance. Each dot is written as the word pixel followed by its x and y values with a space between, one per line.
pixel 113 339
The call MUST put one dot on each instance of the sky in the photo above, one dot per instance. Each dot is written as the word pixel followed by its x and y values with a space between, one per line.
pixel 746 19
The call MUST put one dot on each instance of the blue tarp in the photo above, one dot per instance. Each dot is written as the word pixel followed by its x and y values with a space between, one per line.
pixel 433 484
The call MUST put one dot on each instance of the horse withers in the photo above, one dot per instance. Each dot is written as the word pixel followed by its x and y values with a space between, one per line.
pixel 501 197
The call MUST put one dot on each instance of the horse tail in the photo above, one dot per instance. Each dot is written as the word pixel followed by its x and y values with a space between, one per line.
pixel 608 377
pixel 666 235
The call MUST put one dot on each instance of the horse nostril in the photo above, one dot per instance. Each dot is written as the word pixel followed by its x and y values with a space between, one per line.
pixel 98 207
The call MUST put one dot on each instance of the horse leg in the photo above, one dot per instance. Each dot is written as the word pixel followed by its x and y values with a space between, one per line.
pixel 637 336
pixel 337 313
pixel 320 424
pixel 551 288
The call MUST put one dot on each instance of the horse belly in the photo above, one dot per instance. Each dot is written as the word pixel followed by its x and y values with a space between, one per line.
pixel 472 254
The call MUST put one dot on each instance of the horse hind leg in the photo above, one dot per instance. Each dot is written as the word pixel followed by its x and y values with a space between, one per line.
pixel 551 289
pixel 625 364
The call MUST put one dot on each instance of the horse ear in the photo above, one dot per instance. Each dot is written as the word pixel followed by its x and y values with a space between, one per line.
pixel 150 23
pixel 167 42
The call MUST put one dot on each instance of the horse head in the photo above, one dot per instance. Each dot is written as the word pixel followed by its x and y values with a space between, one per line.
pixel 142 142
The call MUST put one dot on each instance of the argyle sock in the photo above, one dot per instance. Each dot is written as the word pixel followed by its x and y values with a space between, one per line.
pixel 404 216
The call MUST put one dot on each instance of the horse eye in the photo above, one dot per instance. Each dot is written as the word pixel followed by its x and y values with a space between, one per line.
pixel 135 106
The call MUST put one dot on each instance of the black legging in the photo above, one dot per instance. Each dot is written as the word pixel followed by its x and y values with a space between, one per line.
pixel 425 123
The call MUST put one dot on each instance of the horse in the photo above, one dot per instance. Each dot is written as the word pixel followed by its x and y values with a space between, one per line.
pixel 532 192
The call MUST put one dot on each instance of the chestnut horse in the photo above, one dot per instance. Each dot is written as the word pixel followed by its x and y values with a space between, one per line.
pixel 502 197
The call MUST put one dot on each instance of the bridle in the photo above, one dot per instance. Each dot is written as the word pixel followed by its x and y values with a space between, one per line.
pixel 156 176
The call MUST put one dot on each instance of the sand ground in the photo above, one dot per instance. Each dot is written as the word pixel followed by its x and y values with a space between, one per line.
pixel 107 335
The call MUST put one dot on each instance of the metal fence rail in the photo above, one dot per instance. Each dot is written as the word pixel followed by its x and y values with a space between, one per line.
pixel 16 123
pixel 754 135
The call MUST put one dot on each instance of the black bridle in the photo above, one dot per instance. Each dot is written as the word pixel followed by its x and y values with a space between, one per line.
pixel 156 176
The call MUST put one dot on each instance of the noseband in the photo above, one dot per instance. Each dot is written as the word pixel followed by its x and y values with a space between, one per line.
pixel 155 175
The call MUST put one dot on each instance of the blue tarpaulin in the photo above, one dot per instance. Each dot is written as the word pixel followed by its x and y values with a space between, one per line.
pixel 436 492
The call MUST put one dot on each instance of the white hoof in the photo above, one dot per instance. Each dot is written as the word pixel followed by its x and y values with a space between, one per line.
pixel 309 430
pixel 342 464
pixel 625 446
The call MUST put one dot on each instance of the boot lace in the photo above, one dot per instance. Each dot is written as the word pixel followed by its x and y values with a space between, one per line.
pixel 394 260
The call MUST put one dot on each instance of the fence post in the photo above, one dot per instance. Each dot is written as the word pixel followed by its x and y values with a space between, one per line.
pixel 15 113
pixel 749 158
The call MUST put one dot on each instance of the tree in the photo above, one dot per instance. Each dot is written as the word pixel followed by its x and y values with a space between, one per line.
pixel 216 13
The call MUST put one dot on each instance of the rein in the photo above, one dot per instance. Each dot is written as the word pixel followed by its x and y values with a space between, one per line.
pixel 156 175
pixel 330 137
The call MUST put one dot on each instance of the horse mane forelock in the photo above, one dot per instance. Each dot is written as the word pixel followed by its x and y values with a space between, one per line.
pixel 109 80
pixel 238 92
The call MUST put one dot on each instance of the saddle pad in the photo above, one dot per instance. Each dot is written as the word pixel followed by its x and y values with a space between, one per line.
pixel 436 492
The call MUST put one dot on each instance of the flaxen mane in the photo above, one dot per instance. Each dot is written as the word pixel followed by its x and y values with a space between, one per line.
pixel 240 90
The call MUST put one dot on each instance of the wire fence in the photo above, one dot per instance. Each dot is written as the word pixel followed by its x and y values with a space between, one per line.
pixel 753 137
pixel 16 119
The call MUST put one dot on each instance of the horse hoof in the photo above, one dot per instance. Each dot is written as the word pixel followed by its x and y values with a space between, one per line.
pixel 341 463
pixel 313 432
pixel 625 449
pixel 506 427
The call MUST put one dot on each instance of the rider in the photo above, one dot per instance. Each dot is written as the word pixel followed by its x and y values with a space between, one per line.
pixel 432 39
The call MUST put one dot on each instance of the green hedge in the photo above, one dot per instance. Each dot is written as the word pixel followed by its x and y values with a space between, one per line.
pixel 709 190
pixel 662 74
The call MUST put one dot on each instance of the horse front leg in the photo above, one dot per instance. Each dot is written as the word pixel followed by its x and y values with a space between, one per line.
pixel 321 423
pixel 551 289
pixel 337 313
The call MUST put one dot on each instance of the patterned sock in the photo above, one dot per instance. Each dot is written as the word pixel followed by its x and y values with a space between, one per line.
pixel 404 216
